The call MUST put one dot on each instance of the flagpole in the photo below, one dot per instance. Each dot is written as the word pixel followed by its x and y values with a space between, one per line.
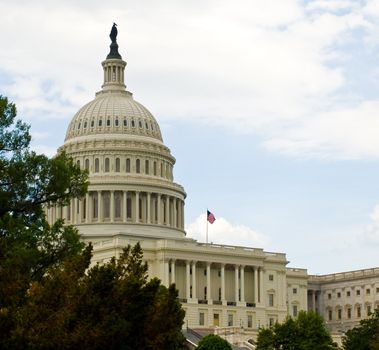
pixel 206 218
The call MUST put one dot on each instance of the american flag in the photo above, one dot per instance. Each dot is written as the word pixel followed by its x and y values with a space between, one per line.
pixel 210 217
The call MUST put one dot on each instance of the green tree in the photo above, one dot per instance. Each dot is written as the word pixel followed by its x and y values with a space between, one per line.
pixel 29 246
pixel 365 336
pixel 213 342
pixel 305 332
pixel 111 306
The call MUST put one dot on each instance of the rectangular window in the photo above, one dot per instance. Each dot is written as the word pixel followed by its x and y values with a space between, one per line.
pixel 249 321
pixel 368 291
pixel 368 310
pixel 294 290
pixel 270 277
pixel 348 313
pixel 330 315
pixel 339 314
pixel 201 318
pixel 358 311
pixel 271 299
pixel 348 293
pixel 230 320
pixel 339 295
pixel 216 320
pixel 358 292
pixel 271 321
pixel 294 310
pixel 329 296
pixel 377 289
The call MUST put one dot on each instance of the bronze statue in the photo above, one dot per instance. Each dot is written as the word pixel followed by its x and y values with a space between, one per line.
pixel 114 46
pixel 113 34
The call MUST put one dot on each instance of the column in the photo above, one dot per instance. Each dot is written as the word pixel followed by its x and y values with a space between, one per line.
pixel 188 280
pixel 111 206
pixel 87 208
pixel 236 298
pixel 159 209
pixel 148 219
pixel 209 292
pixel 137 206
pixel 255 285
pixel 242 284
pixel 167 210
pixel 79 211
pixel 182 210
pixel 179 214
pixel 193 279
pixel 124 206
pixel 261 284
pixel 99 207
pixel 223 283
pixel 174 204
pixel 172 271
pixel 73 210
pixel 65 213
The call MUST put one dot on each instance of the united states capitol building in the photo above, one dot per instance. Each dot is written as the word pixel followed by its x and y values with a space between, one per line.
pixel 132 197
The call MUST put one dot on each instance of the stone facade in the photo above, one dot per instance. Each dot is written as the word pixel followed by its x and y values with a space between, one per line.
pixel 344 299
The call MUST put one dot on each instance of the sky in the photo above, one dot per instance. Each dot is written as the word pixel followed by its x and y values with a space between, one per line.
pixel 270 107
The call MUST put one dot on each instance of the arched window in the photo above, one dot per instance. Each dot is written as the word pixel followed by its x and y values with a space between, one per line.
pixel 161 169
pixel 116 122
pixel 125 122
pixel 147 167
pixel 127 168
pixel 140 124
pixel 155 168
pixel 85 125
pixel 106 202
pixel 138 166
pixel 92 123
pixel 117 165
pixel 108 122
pixel 97 163
pixel 78 162
pixel 106 165
pixel 87 164
pixel 133 124
pixel 117 206
pixel 100 122
pixel 95 207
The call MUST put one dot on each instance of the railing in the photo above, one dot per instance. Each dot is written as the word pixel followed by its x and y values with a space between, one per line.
pixel 250 304
pixel 231 303
pixel 217 302
pixel 202 301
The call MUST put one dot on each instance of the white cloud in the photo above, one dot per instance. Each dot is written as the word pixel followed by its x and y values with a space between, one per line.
pixel 224 232
pixel 278 73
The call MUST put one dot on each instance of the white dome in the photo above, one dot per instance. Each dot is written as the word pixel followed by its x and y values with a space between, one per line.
pixel 113 112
